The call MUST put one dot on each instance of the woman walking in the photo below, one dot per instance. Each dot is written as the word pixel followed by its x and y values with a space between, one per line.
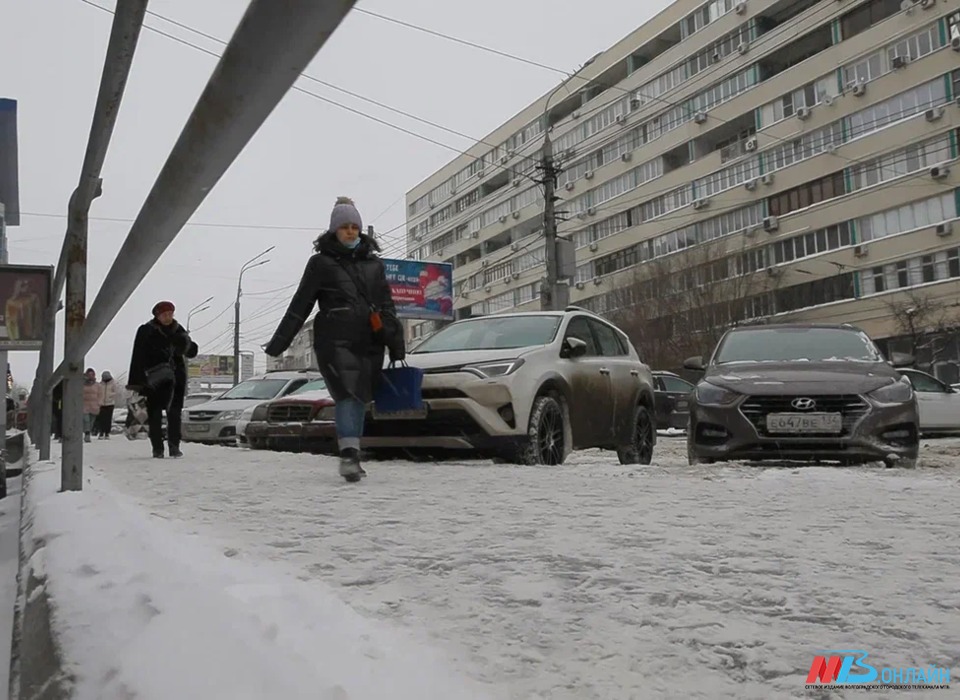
pixel 355 323
pixel 108 399
pixel 91 402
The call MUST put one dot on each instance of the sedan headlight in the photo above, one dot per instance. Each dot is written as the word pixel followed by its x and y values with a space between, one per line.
pixel 230 415
pixel 712 395
pixel 898 392
pixel 260 413
pixel 325 413
pixel 490 370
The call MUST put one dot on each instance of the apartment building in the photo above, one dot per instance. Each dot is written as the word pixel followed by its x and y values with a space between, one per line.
pixel 814 140
pixel 299 355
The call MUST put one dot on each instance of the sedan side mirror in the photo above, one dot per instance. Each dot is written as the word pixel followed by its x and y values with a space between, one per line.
pixel 902 359
pixel 573 347
pixel 694 363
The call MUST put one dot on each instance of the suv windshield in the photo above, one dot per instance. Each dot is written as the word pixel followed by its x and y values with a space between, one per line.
pixel 315 385
pixel 492 333
pixel 255 389
pixel 797 345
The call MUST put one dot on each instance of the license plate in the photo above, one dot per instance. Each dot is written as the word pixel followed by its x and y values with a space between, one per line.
pixel 400 415
pixel 197 428
pixel 798 423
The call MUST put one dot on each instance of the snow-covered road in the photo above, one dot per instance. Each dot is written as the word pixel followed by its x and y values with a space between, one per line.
pixel 595 580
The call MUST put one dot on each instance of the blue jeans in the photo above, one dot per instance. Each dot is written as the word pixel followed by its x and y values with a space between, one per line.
pixel 349 415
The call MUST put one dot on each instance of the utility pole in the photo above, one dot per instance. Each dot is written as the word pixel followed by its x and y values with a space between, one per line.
pixel 250 264
pixel 554 296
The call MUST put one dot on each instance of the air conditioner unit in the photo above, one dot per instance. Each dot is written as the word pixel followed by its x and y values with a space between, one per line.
pixel 898 62
pixel 634 103
pixel 830 148
pixel 580 285
pixel 453 190
pixel 503 218
pixel 465 294
pixel 716 57
pixel 594 247
pixel 507 280
pixel 504 159
pixel 576 114
pixel 860 89
pixel 700 117
pixel 591 211
pixel 927 4
pixel 480 174
pixel 514 247
pixel 771 224
pixel 932 115
pixel 750 144
pixel 955 43
pixel 860 251
pixel 431 205
pixel 516 181
pixel 944 230
pixel 488 288
pixel 626 156
pixel 701 203
pixel 515 275
pixel 828 100
pixel 750 185
pixel 516 214
pixel 569 186
pixel 475 234
pixel 740 8
pixel 743 48
pixel 803 113
pixel 621 118
pixel 588 175
pixel 774 272
pixel 939 172
pixel 767 179
pixel 484 263
pixel 597 280
pixel 581 215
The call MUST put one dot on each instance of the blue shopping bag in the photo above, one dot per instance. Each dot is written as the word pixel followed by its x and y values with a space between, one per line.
pixel 400 390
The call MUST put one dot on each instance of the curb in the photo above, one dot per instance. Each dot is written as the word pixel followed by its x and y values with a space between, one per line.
pixel 36 662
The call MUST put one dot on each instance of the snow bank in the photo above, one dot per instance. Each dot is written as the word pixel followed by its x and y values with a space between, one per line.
pixel 143 611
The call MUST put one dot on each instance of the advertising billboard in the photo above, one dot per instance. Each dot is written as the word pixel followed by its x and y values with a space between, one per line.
pixel 24 297
pixel 9 178
pixel 217 369
pixel 422 290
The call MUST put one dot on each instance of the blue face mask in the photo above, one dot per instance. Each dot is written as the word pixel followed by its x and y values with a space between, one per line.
pixel 352 244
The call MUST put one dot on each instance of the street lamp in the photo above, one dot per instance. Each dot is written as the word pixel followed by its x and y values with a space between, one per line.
pixel 249 265
pixel 205 304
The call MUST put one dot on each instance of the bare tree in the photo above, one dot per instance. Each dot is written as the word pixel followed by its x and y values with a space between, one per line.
pixel 680 305
pixel 925 322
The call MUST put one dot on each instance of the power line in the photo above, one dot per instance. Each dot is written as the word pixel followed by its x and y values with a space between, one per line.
pixel 118 220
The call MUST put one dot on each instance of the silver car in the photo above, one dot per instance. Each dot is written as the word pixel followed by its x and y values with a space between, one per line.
pixel 530 387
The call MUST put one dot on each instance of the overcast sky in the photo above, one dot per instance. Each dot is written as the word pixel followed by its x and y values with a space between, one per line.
pixel 306 154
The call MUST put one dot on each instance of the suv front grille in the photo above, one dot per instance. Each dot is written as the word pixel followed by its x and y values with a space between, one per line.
pixel 850 406
pixel 289 413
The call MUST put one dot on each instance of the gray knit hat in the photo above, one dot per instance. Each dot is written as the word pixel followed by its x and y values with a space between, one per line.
pixel 344 213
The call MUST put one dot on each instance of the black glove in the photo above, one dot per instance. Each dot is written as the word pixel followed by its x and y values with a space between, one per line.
pixel 273 349
pixel 397 352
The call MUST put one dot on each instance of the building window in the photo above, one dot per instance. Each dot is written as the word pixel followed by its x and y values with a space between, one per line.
pixel 865 16
pixel 807 194
pixel 896 164
pixel 909 217
pixel 902 106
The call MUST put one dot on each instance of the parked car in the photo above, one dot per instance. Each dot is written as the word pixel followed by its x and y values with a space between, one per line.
pixel 529 387
pixel 811 392
pixel 199 397
pixel 302 421
pixel 672 397
pixel 939 403
pixel 215 422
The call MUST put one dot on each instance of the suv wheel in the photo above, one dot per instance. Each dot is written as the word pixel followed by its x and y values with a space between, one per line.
pixel 547 433
pixel 640 451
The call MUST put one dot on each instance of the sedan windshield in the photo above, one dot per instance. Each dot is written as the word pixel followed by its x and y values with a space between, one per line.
pixel 315 385
pixel 492 333
pixel 797 345
pixel 260 389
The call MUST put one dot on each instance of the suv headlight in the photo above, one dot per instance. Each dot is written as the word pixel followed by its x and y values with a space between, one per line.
pixel 260 413
pixel 898 392
pixel 229 415
pixel 713 395
pixel 490 370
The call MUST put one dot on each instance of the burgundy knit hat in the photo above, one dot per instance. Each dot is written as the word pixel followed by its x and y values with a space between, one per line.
pixel 163 306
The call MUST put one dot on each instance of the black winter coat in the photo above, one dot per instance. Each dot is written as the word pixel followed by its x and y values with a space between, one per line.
pixel 156 344
pixel 345 284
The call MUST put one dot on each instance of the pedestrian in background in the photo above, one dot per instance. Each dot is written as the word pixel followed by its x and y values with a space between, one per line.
pixel 108 399
pixel 91 402
pixel 159 350
pixel 356 321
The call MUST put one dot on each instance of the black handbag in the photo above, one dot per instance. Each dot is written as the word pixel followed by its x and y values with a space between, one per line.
pixel 158 375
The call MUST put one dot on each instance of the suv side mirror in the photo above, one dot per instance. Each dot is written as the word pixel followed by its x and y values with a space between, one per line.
pixel 573 347
pixel 694 363
pixel 902 359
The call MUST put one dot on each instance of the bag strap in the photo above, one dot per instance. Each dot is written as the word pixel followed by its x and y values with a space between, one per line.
pixel 358 283
pixel 394 363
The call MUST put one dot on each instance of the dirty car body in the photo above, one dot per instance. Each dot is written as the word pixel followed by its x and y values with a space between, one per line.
pixel 805 392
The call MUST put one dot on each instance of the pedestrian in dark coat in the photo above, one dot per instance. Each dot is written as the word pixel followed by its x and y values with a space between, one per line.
pixel 159 351
pixel 355 324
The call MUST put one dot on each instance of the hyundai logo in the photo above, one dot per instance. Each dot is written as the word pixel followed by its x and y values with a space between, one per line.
pixel 804 404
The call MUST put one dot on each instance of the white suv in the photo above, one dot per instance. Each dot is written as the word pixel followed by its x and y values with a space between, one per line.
pixel 530 387
pixel 215 422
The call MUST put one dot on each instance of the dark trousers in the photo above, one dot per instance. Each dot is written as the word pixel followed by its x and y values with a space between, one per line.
pixel 167 398
pixel 104 421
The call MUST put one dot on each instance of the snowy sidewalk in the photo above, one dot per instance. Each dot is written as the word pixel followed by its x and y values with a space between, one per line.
pixel 143 611
pixel 586 581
